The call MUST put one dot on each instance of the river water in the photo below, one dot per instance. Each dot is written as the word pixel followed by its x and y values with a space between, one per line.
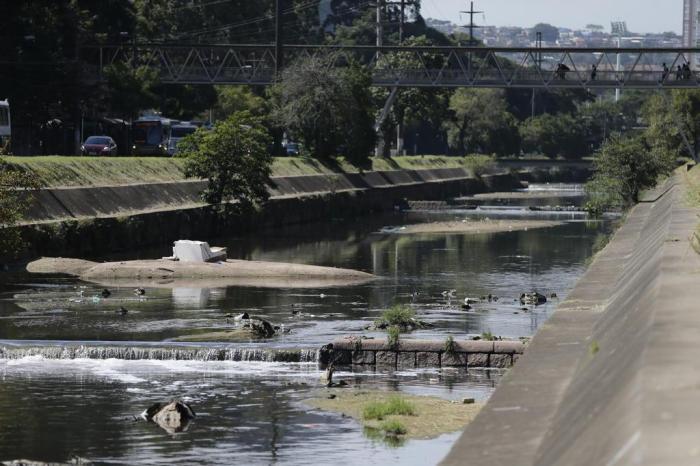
pixel 253 412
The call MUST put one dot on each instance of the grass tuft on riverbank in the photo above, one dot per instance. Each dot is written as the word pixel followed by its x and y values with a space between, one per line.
pixel 72 171
pixel 429 416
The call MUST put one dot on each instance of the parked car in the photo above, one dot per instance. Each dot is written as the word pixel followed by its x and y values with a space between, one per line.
pixel 292 149
pixel 99 145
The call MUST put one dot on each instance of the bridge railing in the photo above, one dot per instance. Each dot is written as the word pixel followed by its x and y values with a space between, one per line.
pixel 407 66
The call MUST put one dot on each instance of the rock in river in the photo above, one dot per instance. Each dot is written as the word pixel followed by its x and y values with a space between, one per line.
pixel 172 417
pixel 533 298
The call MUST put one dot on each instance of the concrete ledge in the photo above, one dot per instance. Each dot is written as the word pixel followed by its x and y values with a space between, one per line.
pixel 421 353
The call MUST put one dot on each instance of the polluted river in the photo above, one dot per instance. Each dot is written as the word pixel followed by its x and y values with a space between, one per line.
pixel 57 405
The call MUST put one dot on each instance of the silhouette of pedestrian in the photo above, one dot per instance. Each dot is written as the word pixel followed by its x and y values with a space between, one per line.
pixel 679 73
pixel 664 73
pixel 686 71
pixel 594 72
pixel 561 70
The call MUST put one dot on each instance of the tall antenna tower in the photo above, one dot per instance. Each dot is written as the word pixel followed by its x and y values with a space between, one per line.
pixel 471 24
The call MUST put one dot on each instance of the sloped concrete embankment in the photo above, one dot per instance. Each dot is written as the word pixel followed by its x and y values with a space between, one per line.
pixel 614 376
pixel 95 220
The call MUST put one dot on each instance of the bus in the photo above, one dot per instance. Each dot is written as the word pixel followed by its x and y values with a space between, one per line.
pixel 5 126
pixel 150 135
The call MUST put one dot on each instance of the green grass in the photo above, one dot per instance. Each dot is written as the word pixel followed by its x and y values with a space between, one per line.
pixel 393 427
pixel 397 315
pixel 101 171
pixel 73 171
pixel 450 345
pixel 394 406
pixel 393 335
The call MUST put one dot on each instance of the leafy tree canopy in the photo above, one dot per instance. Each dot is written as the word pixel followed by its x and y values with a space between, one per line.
pixel 234 157
pixel 16 188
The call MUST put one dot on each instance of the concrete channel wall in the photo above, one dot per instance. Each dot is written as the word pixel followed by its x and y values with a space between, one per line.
pixel 421 353
pixel 89 221
pixel 613 378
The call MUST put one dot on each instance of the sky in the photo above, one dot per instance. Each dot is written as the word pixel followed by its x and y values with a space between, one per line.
pixel 641 15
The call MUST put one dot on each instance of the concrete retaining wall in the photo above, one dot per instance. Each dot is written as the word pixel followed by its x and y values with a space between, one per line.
pixel 87 222
pixel 421 353
pixel 613 377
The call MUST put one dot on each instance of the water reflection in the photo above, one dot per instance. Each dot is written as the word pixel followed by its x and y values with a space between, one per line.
pixel 414 269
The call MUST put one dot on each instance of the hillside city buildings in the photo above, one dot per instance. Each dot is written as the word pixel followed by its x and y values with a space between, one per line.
pixel 592 36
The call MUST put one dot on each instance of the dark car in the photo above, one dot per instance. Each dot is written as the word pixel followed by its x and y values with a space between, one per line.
pixel 292 149
pixel 99 145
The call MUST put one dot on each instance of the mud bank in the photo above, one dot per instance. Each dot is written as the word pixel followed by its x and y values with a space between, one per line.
pixel 432 416
pixel 176 273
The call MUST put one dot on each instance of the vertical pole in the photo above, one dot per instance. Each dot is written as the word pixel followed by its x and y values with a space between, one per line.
pixel 279 59
pixel 403 20
pixel 617 68
pixel 380 29
pixel 471 24
pixel 379 148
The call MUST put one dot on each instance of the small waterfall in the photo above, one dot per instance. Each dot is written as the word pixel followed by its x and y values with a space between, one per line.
pixel 160 353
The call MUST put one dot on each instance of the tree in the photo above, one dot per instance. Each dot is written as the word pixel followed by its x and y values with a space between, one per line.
pixel 233 157
pixel 675 122
pixel 481 123
pixel 128 91
pixel 328 107
pixel 623 167
pixel 232 99
pixel 554 136
pixel 549 33
pixel 16 188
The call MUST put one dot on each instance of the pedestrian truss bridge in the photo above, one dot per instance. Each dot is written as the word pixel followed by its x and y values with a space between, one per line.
pixel 394 66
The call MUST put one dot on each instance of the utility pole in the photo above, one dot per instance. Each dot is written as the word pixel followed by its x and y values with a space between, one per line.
pixel 471 24
pixel 538 63
pixel 403 21
pixel 380 28
pixel 279 57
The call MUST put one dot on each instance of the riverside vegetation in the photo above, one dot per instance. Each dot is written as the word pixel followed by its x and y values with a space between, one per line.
pixel 393 414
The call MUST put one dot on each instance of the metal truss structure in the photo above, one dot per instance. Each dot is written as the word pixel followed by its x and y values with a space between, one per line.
pixel 394 66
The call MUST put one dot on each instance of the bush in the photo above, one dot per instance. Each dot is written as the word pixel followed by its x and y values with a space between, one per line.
pixel 450 346
pixel 393 427
pixel 16 196
pixel 480 164
pixel 624 166
pixel 394 406
pixel 234 157
pixel 402 316
pixel 393 335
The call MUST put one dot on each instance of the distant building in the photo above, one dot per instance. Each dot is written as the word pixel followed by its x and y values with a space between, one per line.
pixel 691 21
